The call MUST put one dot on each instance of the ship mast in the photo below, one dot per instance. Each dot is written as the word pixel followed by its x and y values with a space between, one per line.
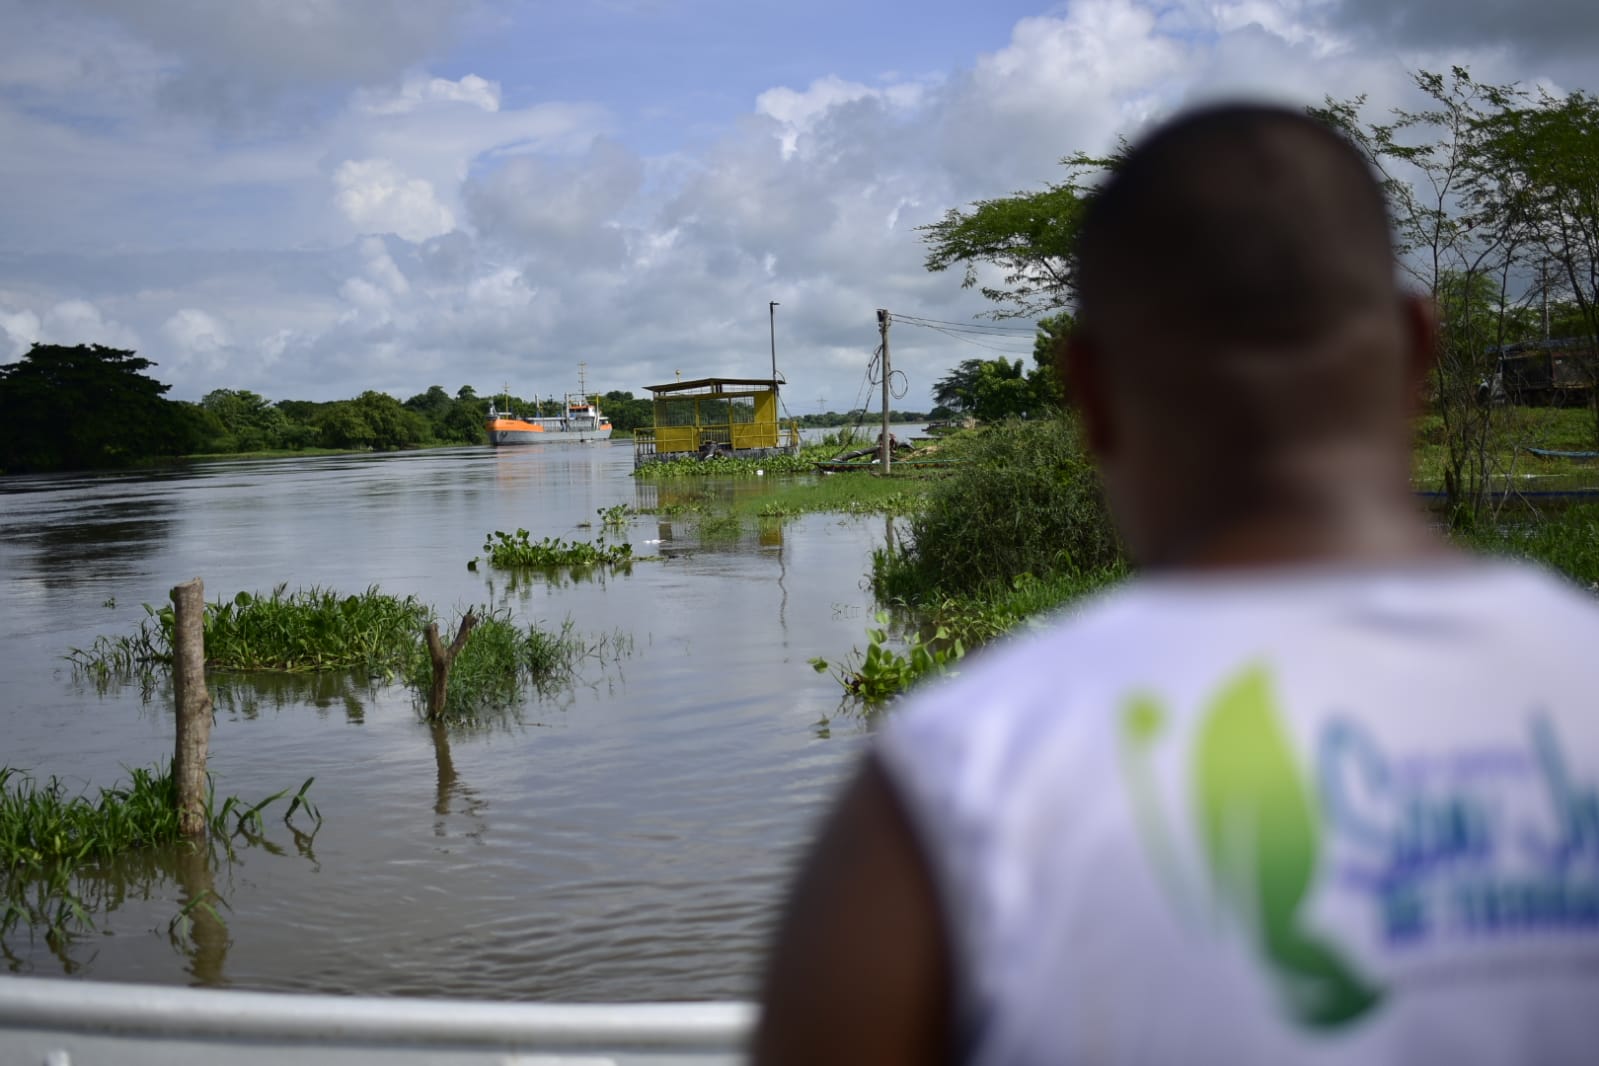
pixel 583 381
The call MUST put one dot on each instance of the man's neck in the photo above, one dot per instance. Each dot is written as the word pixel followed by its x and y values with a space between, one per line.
pixel 1324 507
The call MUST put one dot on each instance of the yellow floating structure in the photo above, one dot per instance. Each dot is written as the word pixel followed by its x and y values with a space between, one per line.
pixel 709 417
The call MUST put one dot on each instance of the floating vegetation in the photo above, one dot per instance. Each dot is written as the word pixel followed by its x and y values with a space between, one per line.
pixel 48 836
pixel 510 551
pixel 616 516
pixel 306 630
pixel 883 673
pixel 732 466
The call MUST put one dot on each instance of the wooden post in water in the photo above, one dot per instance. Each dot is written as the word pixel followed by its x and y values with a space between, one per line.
pixel 444 658
pixel 194 705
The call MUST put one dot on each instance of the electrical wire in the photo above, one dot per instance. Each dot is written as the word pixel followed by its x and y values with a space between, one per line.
pixel 978 344
pixel 992 328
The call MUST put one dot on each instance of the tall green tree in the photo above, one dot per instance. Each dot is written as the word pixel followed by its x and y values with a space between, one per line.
pixel 1029 238
pixel 1546 158
pixel 85 407
pixel 372 420
pixel 1462 237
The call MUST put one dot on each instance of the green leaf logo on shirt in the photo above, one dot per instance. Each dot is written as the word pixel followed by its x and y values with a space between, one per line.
pixel 1260 833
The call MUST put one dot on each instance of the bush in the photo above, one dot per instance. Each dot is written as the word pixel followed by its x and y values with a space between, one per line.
pixel 1024 500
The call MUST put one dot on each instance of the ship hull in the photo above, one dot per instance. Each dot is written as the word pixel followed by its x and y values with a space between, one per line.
pixel 502 437
pixel 581 421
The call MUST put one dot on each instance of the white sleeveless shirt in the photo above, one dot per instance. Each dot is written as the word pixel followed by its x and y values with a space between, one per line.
pixel 1307 816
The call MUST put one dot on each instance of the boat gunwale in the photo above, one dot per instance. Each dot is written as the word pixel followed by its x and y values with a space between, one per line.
pixel 104 1008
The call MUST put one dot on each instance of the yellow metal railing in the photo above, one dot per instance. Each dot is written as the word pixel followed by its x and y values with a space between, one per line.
pixel 688 440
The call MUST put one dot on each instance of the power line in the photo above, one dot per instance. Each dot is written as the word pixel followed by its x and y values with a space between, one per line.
pixel 965 327
pixel 978 344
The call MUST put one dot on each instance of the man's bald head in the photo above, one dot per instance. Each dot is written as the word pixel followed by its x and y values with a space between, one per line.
pixel 1242 346
pixel 1241 226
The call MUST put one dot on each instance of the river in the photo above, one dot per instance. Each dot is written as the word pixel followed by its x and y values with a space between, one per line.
pixel 626 839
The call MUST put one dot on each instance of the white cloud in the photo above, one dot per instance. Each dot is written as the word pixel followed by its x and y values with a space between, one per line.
pixel 568 209
pixel 520 235
pixel 275 45
pixel 799 111
pixel 193 330
pixel 377 198
pixel 81 322
pixel 196 343
pixel 21 329
pixel 418 92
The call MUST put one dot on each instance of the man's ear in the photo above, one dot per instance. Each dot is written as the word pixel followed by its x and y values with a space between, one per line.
pixel 1421 338
pixel 1078 363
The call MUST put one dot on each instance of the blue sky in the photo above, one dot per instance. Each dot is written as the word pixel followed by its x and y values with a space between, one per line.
pixel 313 198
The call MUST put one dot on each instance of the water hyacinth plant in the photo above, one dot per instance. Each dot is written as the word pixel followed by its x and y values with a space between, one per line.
pixel 883 673
pixel 511 551
pixel 307 630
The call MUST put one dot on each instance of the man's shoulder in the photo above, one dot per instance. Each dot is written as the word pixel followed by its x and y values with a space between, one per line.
pixel 1148 627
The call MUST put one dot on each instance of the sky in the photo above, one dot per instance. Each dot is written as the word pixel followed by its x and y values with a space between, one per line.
pixel 311 198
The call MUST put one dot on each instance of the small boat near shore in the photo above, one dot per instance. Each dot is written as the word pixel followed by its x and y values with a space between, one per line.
pixel 580 420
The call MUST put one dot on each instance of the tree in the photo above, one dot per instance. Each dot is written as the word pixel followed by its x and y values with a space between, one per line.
pixel 1048 388
pixel 957 390
pixel 1546 156
pixel 1002 391
pixel 86 407
pixel 627 413
pixel 1030 237
pixel 249 422
pixel 372 420
pixel 1462 234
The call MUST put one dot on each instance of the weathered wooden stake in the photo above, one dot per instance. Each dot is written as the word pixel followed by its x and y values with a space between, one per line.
pixel 194 705
pixel 444 658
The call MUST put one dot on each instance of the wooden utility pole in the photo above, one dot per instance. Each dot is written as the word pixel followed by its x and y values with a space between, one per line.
pixel 194 705
pixel 444 658
pixel 885 449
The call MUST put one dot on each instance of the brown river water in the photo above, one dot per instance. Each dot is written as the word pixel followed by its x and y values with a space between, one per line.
pixel 626 839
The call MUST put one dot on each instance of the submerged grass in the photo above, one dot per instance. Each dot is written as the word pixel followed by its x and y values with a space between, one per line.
pixel 309 629
pixel 371 635
pixel 842 494
pixel 498 664
pixel 49 835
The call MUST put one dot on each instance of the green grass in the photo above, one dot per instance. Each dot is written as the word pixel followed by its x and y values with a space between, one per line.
pixel 1566 539
pixel 310 629
pixel 1515 430
pixel 840 494
pixel 49 835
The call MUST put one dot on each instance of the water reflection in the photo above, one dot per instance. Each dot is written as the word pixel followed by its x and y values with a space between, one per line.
pixel 69 545
pixel 248 695
pixel 199 930
pixel 449 790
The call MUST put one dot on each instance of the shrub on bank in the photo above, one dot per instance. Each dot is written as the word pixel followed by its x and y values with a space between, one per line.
pixel 1024 500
